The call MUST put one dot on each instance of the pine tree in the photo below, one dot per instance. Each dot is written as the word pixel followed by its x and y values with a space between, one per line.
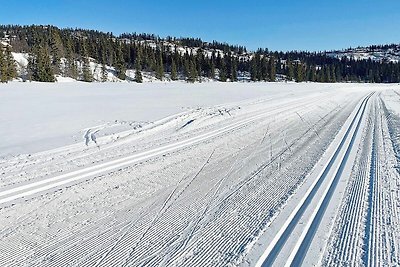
pixel 333 75
pixel 299 72
pixel 311 76
pixel 222 71
pixel 39 65
pixel 272 69
pixel 104 73
pixel 234 71
pixel 253 69
pixel 212 70
pixel 174 74
pixel 138 70
pixel 3 66
pixel 87 75
pixel 264 69
pixel 11 68
pixel 56 51
pixel 120 64
pixel 192 71
pixel 290 71
pixel 71 68
pixel 159 67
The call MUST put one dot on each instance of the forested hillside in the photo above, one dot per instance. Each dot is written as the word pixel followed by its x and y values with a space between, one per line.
pixel 89 55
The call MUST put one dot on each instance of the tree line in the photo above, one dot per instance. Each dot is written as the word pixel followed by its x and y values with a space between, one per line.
pixel 70 53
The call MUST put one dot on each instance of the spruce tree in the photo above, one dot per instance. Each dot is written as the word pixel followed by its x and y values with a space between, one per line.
pixel 222 71
pixel 39 65
pixel 174 74
pixel 11 68
pixel 3 66
pixel 138 70
pixel 56 51
pixel 212 70
pixel 253 69
pixel 87 75
pixel 272 69
pixel 104 73
pixel 264 69
pixel 299 72
pixel 333 74
pixel 234 71
pixel 192 71
pixel 159 67
pixel 120 63
pixel 71 69
pixel 289 71
pixel 103 61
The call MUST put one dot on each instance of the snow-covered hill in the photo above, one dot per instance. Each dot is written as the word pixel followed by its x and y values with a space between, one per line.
pixel 21 60
pixel 390 53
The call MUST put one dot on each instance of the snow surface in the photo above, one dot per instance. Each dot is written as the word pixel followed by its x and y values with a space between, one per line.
pixel 40 116
pixel 212 174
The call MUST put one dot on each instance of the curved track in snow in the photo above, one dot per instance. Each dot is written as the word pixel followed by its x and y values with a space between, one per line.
pixel 8 195
pixel 301 180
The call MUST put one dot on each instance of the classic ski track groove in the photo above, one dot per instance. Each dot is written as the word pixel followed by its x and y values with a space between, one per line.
pixel 9 195
pixel 279 240
pixel 91 258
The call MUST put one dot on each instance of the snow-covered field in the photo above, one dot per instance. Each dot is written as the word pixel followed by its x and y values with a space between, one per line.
pixel 211 174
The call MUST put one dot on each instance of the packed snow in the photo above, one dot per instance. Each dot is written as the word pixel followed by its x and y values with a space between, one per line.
pixel 210 174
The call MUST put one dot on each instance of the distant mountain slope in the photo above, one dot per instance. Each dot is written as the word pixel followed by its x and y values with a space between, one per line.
pixel 382 53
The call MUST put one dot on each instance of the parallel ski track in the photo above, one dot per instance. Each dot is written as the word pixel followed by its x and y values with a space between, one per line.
pixel 301 247
pixel 281 184
pixel 69 241
pixel 12 194
pixel 352 225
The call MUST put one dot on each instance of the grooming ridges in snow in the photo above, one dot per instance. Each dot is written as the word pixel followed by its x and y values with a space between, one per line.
pixel 227 175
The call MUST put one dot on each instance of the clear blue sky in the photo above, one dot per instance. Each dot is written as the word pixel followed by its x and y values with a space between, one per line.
pixel 277 25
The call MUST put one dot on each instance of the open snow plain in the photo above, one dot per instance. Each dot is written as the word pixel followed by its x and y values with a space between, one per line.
pixel 199 175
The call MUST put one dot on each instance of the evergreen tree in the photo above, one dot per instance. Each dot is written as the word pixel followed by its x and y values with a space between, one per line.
pixel 160 67
pixel 71 68
pixel 290 71
pixel 233 71
pixel 174 74
pixel 253 70
pixel 272 69
pixel 56 51
pixel 212 70
pixel 138 70
pixel 192 71
pixel 104 73
pixel 299 73
pixel 264 69
pixel 120 63
pixel 11 68
pixel 39 65
pixel 87 75
pixel 333 74
pixel 3 66
pixel 222 72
